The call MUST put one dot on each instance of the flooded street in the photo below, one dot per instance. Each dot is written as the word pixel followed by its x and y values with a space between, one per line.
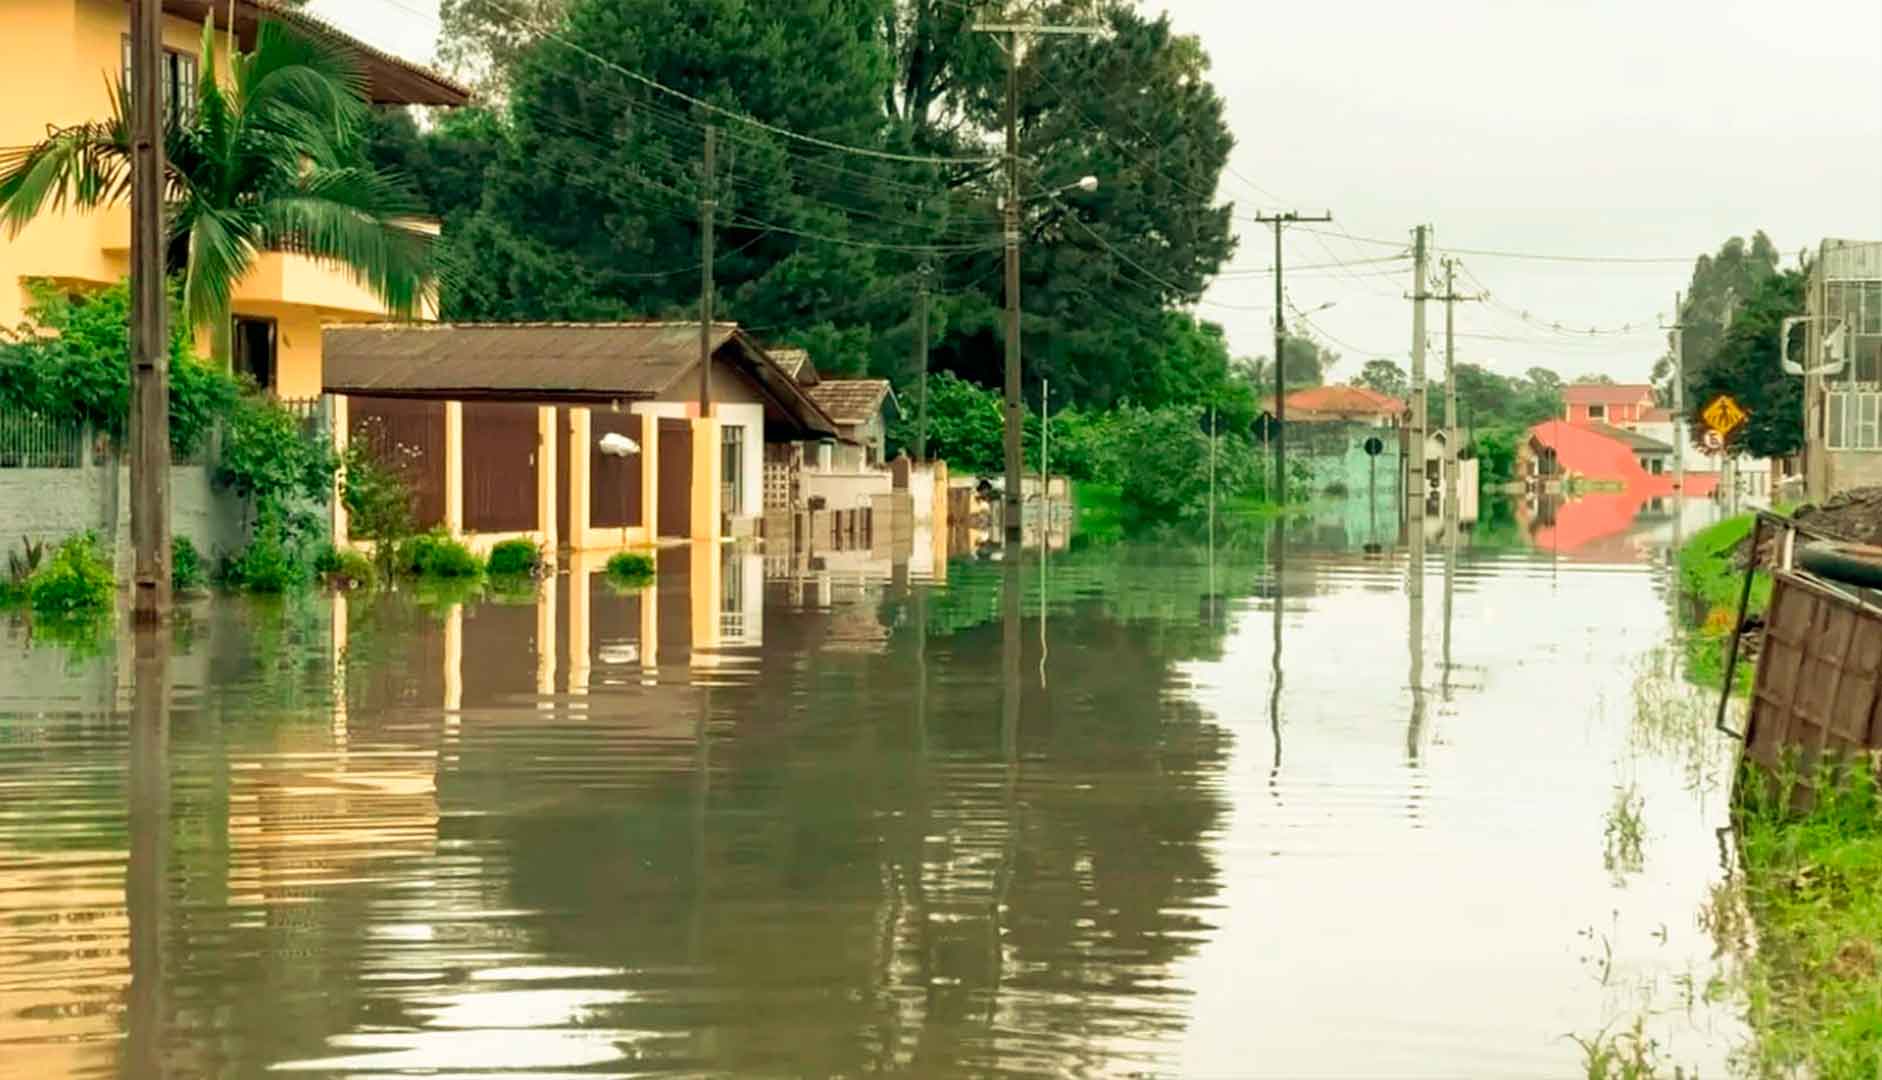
pixel 1128 810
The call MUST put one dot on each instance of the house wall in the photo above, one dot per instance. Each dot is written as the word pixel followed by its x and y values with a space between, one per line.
pixel 51 504
pixel 847 490
pixel 1615 413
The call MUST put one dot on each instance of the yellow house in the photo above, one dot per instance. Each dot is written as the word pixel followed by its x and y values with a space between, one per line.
pixel 58 62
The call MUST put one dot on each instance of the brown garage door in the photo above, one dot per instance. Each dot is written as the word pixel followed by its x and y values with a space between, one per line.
pixel 614 482
pixel 676 478
pixel 407 436
pixel 500 455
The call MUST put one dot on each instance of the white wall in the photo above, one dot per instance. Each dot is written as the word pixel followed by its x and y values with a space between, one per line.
pixel 847 491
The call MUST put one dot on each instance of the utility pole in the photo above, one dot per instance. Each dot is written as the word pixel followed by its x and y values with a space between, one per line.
pixel 1416 467
pixel 1280 221
pixel 1679 399
pixel 1012 503
pixel 150 353
pixel 706 206
pixel 1450 299
pixel 921 362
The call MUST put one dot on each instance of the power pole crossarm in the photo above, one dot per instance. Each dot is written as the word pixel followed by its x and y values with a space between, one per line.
pixel 1280 221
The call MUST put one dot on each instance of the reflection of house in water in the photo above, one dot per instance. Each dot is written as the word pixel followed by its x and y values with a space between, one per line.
pixel 1602 525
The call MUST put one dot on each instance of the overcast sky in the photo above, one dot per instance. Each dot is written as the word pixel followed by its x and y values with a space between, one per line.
pixel 1628 129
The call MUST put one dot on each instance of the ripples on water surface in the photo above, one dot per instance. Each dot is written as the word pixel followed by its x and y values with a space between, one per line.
pixel 755 820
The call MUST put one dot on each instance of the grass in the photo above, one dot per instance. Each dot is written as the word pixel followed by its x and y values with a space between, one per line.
pixel 1711 578
pixel 1813 888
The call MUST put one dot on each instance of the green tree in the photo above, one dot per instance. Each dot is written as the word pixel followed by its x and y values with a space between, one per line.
pixel 1746 367
pixel 1308 362
pixel 1385 377
pixel 1721 284
pixel 272 162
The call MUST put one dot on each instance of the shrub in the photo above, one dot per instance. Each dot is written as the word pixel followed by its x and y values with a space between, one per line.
pixel 515 557
pixel 21 566
pixel 378 500
pixel 345 569
pixel 269 564
pixel 186 565
pixel 76 584
pixel 437 555
pixel 630 568
pixel 268 457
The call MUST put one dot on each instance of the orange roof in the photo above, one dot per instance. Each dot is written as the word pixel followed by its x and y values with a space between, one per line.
pixel 1344 401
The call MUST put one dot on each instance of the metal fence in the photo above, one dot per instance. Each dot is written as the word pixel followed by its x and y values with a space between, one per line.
pixel 312 416
pixel 31 441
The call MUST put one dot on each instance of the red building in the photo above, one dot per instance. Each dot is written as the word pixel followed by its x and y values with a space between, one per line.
pixel 1600 403
pixel 1599 452
pixel 1323 404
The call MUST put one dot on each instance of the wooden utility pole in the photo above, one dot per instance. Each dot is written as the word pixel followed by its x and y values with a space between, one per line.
pixel 1011 220
pixel 921 362
pixel 1420 419
pixel 1679 398
pixel 1450 299
pixel 150 353
pixel 706 207
pixel 1279 221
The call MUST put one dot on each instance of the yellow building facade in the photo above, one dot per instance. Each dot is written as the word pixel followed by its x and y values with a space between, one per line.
pixel 59 62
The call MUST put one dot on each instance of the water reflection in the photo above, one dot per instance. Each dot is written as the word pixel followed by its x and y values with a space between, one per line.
pixel 757 817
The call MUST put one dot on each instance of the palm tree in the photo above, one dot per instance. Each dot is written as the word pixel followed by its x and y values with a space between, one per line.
pixel 274 162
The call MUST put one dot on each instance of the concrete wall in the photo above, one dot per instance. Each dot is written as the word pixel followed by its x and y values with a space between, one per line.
pixel 846 490
pixel 50 504
pixel 1335 456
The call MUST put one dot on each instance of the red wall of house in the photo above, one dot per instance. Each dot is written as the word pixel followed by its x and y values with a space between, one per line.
pixel 1590 454
pixel 1616 414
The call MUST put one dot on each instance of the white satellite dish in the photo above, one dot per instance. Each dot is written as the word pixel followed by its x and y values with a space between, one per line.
pixel 615 444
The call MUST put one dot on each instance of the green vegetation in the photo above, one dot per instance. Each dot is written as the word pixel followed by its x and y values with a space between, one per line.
pixel 21 566
pixel 346 569
pixel 272 161
pixel 1100 510
pixel 515 558
pixel 75 585
pixel 186 565
pixel 1813 892
pixel 1711 579
pixel 630 569
pixel 436 554
pixel 270 563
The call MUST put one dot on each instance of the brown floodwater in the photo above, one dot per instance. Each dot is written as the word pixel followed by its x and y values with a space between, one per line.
pixel 1140 809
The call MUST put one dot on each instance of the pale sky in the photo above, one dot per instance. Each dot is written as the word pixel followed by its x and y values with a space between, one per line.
pixel 1642 129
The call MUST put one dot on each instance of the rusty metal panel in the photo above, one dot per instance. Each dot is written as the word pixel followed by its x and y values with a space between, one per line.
pixel 676 478
pixel 1819 675
pixel 614 483
pixel 501 452
pixel 408 436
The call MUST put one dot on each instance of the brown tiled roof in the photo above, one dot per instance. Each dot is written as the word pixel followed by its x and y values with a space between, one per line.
pixel 540 362
pixel 793 361
pixel 390 80
pixel 1633 439
pixel 850 401
pixel 1606 394
pixel 628 360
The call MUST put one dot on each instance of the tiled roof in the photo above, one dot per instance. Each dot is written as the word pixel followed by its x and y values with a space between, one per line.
pixel 390 80
pixel 626 359
pixel 1344 400
pixel 1606 394
pixel 1633 439
pixel 792 361
pixel 850 401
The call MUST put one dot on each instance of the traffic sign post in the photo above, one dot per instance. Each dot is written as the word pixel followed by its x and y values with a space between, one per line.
pixel 1724 415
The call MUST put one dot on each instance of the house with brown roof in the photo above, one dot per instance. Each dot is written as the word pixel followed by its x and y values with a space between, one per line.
pixel 578 435
pixel 1344 404
pixel 861 409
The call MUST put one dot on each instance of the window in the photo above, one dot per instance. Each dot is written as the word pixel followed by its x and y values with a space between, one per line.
pixel 732 468
pixel 255 350
pixel 177 79
pixel 1855 419
pixel 1597 412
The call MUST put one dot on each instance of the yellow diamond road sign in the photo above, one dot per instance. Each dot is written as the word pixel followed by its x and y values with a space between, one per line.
pixel 1724 415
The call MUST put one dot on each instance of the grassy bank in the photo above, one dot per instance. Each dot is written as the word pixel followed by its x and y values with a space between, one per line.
pixel 1712 580
pixel 1813 894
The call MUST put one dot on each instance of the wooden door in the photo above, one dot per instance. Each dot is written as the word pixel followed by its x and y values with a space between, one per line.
pixel 407 436
pixel 676 478
pixel 501 456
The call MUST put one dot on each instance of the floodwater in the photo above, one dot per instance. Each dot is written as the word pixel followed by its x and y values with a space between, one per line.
pixel 1248 807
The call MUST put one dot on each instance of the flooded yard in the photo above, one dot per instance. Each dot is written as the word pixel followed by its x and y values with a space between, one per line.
pixel 1294 805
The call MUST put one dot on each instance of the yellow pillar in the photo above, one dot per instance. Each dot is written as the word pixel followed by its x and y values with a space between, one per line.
pixel 337 518
pixel 454 467
pixel 546 508
pixel 579 479
pixel 650 475
pixel 704 589
pixel 545 644
pixel 580 566
pixel 706 493
pixel 650 633
pixel 453 663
